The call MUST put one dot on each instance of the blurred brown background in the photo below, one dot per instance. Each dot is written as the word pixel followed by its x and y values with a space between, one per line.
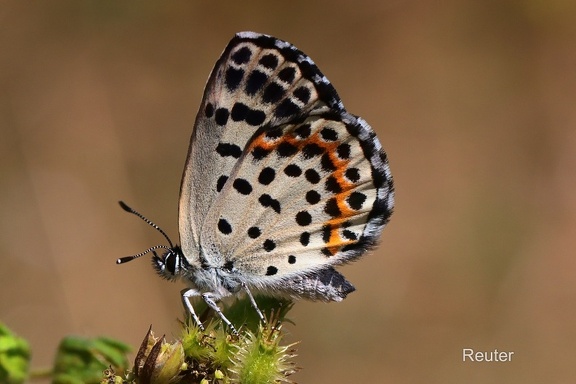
pixel 473 101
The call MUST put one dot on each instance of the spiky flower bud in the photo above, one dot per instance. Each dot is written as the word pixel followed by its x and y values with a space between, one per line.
pixel 260 358
pixel 158 361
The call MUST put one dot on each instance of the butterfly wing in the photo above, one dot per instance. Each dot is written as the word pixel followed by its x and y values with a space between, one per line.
pixel 239 99
pixel 311 186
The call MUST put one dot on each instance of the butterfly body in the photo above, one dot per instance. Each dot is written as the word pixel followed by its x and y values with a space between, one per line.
pixel 281 183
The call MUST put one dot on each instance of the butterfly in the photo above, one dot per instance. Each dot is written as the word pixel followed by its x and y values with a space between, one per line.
pixel 281 184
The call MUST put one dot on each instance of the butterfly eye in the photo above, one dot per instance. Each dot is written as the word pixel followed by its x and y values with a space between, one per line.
pixel 165 265
pixel 171 261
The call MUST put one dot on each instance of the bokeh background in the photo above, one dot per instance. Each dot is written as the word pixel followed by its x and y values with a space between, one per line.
pixel 473 101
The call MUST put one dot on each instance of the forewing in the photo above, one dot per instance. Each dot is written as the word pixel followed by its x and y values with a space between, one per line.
pixel 258 82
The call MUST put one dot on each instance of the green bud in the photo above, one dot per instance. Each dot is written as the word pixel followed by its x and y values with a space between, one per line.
pixel 218 374
pixel 110 377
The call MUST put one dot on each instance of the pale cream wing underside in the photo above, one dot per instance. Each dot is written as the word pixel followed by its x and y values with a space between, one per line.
pixel 258 82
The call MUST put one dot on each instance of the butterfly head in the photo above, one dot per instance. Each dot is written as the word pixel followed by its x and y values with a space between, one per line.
pixel 171 264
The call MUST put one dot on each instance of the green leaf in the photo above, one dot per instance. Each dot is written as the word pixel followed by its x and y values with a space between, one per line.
pixel 82 360
pixel 14 357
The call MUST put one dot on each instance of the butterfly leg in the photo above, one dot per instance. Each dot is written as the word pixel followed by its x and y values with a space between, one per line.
pixel 210 300
pixel 186 295
pixel 253 302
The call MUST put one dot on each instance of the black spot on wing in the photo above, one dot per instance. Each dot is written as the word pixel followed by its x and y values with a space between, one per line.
pixel 349 235
pixel 274 133
pixel 273 93
pixel 221 116
pixel 327 163
pixel 266 176
pixel 224 227
pixel 356 200
pixel 352 174
pixel 239 111
pixel 233 78
pixel 303 218
pixel 312 176
pixel 287 75
pixel 255 82
pixel 311 150
pixel 332 185
pixel 269 61
pixel 285 149
pixel 329 134
pixel 254 232
pixel 303 131
pixel 312 197
pixel 209 110
pixel 255 117
pixel 292 170
pixel 242 186
pixel 228 150
pixel 343 151
pixel 258 153
pixel 267 201
pixel 269 245
pixel 302 94
pixel 242 55
pixel 286 108
pixel 220 183
pixel 331 207
pixel 305 238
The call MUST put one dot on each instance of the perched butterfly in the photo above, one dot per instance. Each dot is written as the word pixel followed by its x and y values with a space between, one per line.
pixel 280 185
